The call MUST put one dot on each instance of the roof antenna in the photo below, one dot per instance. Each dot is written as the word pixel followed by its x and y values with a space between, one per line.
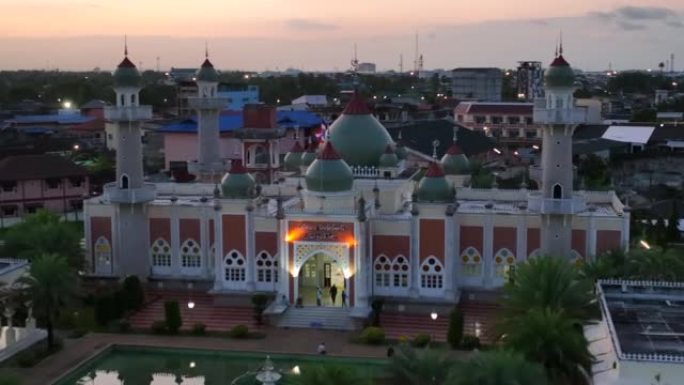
pixel 555 53
pixel 125 45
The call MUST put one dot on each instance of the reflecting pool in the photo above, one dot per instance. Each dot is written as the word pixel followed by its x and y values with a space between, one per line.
pixel 161 366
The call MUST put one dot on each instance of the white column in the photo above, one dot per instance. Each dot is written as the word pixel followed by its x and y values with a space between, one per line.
pixel 89 252
pixel 360 277
pixel 205 248
pixel 456 256
pixel 591 237
pixel 624 237
pixel 487 246
pixel 415 255
pixel 219 266
pixel 175 242
pixel 283 258
pixel 521 238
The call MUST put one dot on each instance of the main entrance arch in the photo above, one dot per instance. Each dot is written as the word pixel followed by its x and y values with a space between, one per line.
pixel 321 265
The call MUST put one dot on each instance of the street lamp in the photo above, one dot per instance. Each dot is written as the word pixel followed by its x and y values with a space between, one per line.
pixel 434 315
pixel 645 244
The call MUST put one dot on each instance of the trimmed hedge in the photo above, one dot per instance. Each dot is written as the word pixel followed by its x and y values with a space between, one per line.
pixel 455 332
pixel 199 329
pixel 421 340
pixel 133 294
pixel 470 342
pixel 373 335
pixel 158 327
pixel 239 331
pixel 172 316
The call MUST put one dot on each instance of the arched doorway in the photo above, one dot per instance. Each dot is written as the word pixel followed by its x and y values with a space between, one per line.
pixel 557 191
pixel 321 271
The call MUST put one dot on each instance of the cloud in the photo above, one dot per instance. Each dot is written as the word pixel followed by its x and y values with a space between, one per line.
pixel 310 25
pixel 541 22
pixel 627 26
pixel 675 24
pixel 645 13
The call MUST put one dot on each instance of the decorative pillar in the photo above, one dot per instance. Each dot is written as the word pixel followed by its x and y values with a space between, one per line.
pixel 521 236
pixel 415 255
pixel 487 240
pixel 219 268
pixel 449 278
pixel 175 239
pixel 10 332
pixel 591 235
pixel 30 321
pixel 624 236
pixel 283 254
pixel 456 256
pixel 360 277
pixel 205 247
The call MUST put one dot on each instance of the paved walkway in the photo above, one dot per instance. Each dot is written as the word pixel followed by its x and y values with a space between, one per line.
pixel 292 341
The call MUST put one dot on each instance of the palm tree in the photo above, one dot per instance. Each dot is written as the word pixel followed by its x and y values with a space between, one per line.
pixel 49 284
pixel 608 265
pixel 327 375
pixel 655 264
pixel 409 366
pixel 498 368
pixel 549 282
pixel 550 338
pixel 8 378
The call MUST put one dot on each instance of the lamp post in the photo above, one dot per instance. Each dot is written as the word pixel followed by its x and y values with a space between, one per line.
pixel 433 316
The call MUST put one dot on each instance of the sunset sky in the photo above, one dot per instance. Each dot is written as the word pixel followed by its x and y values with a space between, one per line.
pixel 320 34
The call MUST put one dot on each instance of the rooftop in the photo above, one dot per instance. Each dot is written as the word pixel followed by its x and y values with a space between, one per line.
pixel 230 121
pixel 27 167
pixel 646 319
pixel 510 108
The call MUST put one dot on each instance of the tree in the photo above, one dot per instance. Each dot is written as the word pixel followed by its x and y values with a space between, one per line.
pixel 412 367
pixel 654 264
pixel 498 368
pixel 173 318
pixel 455 332
pixel 9 378
pixel 44 233
pixel 328 375
pixel 608 265
pixel 133 293
pixel 672 230
pixel 50 283
pixel 549 283
pixel 554 340
pixel 660 232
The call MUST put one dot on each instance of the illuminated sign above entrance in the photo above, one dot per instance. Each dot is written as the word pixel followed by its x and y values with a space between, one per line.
pixel 321 232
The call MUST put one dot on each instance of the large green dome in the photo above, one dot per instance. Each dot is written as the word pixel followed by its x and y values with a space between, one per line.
pixel 455 162
pixel 434 186
pixel 237 183
pixel 329 173
pixel 207 73
pixel 293 159
pixel 126 74
pixel 309 156
pixel 358 136
pixel 559 74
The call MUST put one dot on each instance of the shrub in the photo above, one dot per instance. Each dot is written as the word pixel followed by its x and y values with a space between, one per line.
pixel 470 342
pixel 77 333
pixel 199 329
pixel 172 316
pixel 376 305
pixel 455 332
pixel 421 340
pixel 259 301
pixel 27 359
pixel 123 326
pixel 239 331
pixel 158 327
pixel 133 293
pixel 108 307
pixel 9 378
pixel 373 335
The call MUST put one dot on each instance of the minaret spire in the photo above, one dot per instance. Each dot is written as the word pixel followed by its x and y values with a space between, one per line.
pixel 560 48
pixel 206 50
pixel 125 45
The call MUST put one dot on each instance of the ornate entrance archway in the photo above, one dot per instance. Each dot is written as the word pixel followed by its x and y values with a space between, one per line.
pixel 320 265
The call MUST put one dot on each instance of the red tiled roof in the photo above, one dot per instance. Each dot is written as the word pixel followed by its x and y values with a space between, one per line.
pixel 455 149
pixel 126 63
pixel 297 148
pixel 329 152
pixel 236 167
pixel 356 106
pixel 27 167
pixel 560 62
pixel 434 171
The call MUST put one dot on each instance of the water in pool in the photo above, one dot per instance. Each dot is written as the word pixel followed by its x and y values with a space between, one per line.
pixel 143 366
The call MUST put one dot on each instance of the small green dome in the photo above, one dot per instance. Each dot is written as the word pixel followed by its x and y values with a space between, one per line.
pixel 309 156
pixel 207 73
pixel 389 158
pixel 357 135
pixel 434 187
pixel 237 183
pixel 293 159
pixel 329 173
pixel 126 74
pixel 455 162
pixel 559 74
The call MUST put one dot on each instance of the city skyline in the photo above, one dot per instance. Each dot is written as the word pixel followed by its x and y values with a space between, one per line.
pixel 82 35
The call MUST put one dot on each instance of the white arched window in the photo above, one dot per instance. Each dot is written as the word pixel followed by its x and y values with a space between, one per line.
pixel 400 272
pixel 383 272
pixel 235 267
pixel 471 263
pixel 431 274
pixel 504 263
pixel 267 267
pixel 161 253
pixel 103 254
pixel 191 255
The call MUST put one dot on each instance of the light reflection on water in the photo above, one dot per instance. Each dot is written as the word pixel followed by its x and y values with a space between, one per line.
pixel 135 366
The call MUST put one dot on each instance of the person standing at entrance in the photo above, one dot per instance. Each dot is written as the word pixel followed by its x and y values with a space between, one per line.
pixel 344 297
pixel 333 293
pixel 319 293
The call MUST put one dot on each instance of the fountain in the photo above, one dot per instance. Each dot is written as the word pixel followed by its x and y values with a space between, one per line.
pixel 266 375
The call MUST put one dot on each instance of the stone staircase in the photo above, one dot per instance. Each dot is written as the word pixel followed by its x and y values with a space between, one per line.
pixel 329 318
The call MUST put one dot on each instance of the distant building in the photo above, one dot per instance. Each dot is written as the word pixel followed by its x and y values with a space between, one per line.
pixel 501 120
pixel 366 68
pixel 238 95
pixel 638 339
pixel 311 100
pixel 32 182
pixel 481 84
pixel 530 80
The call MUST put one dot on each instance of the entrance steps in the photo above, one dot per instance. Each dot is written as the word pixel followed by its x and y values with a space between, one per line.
pixel 329 318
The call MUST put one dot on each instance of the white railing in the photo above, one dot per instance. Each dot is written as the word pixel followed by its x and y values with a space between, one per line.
pixel 146 193
pixel 365 171
pixel 127 114
pixel 536 202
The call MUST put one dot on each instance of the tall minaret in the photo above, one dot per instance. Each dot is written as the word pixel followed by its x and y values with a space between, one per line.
pixel 560 117
pixel 129 193
pixel 209 164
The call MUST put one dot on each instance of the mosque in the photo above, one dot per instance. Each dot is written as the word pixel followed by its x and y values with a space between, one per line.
pixel 352 210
